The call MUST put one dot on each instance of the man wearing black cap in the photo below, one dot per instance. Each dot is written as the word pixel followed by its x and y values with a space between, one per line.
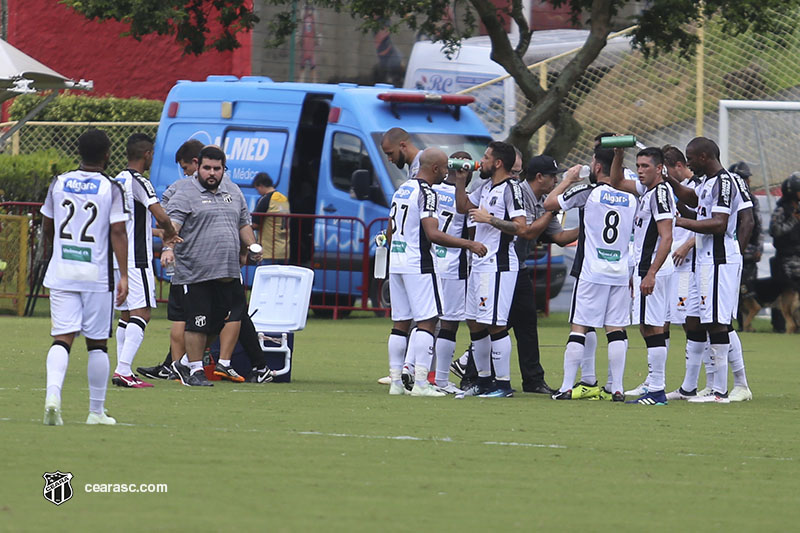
pixel 540 179
pixel 751 254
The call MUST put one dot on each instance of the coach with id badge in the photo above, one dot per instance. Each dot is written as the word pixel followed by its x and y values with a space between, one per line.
pixel 214 222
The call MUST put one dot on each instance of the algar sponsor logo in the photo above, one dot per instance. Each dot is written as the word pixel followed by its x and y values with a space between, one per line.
pixel 610 198
pixel 76 186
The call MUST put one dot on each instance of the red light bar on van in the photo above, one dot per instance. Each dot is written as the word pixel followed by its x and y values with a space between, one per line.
pixel 427 98
pixel 172 110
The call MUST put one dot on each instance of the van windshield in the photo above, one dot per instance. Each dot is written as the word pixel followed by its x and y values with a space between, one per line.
pixel 449 143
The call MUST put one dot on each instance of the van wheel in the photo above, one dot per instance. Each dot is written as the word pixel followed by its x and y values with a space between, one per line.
pixel 379 295
pixel 331 299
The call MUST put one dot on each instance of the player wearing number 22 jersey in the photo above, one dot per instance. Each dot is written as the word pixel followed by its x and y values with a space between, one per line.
pixel 602 268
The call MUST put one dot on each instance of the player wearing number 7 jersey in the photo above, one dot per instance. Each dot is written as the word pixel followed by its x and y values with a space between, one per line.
pixel 84 216
pixel 413 283
pixel 602 267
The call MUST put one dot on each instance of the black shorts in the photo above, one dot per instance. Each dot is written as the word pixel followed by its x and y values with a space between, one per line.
pixel 209 304
pixel 175 309
pixel 238 302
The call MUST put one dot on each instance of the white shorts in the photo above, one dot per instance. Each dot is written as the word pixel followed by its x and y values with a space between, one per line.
pixel 684 300
pixel 718 291
pixel 141 289
pixel 653 309
pixel 88 313
pixel 596 305
pixel 489 296
pixel 416 296
pixel 454 299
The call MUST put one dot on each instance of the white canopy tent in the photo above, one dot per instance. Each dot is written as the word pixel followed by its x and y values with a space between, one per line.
pixel 21 74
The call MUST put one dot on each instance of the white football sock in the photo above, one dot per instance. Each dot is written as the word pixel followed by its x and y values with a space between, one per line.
pixel 694 358
pixel 422 346
pixel 134 335
pixel 185 360
pixel 656 363
pixel 736 360
pixel 97 373
pixel 120 335
pixel 719 357
pixel 410 355
pixel 482 354
pixel 445 349
pixel 224 362
pixel 616 362
pixel 588 372
pixel 501 355
pixel 57 361
pixel 573 355
pixel 194 366
pixel 709 365
pixel 398 342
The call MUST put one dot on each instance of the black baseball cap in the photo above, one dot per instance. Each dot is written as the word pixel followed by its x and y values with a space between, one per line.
pixel 543 164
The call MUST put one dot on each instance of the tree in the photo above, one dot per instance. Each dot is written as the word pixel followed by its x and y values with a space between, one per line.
pixel 663 25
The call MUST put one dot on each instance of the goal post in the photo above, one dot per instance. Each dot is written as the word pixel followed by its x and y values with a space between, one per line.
pixel 765 134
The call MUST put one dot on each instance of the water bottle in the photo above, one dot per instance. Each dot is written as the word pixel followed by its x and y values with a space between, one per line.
pixel 381 256
pixel 463 164
pixel 584 172
pixel 618 141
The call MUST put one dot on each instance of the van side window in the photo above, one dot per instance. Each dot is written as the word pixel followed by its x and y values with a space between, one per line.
pixel 348 155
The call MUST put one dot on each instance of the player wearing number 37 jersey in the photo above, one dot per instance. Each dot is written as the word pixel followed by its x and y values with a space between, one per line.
pixel 602 266
pixel 413 284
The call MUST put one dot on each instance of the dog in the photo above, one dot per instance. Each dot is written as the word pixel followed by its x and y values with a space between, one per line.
pixel 771 293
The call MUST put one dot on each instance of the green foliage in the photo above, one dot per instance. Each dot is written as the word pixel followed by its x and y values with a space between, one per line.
pixel 198 25
pixel 25 177
pixel 80 108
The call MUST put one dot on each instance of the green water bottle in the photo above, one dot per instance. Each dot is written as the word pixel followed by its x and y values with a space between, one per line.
pixel 618 141
pixel 463 164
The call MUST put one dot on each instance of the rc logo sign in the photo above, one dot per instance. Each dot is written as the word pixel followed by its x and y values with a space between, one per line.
pixel 57 488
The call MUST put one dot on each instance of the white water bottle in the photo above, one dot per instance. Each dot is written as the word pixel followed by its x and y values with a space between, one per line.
pixel 381 257
pixel 169 269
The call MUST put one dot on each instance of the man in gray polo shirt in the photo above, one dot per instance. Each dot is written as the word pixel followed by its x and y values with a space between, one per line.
pixel 214 224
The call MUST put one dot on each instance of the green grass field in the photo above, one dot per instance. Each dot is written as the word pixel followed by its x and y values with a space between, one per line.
pixel 333 451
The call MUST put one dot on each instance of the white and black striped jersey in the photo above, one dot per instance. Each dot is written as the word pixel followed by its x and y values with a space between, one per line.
pixel 606 224
pixel 411 252
pixel 139 196
pixel 451 263
pixel 654 205
pixel 83 205
pixel 504 201
pixel 680 235
pixel 720 194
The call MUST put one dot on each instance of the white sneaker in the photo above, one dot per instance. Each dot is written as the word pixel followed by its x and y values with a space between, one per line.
pixel 52 412
pixel 450 388
pixel 708 391
pixel 426 389
pixel 711 398
pixel 396 389
pixel 641 390
pixel 680 394
pixel 387 380
pixel 740 394
pixel 100 418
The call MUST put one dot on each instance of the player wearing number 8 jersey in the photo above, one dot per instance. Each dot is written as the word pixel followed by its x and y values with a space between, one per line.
pixel 413 283
pixel 84 217
pixel 602 266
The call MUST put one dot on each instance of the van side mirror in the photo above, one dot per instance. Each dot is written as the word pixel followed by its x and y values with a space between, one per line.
pixel 360 182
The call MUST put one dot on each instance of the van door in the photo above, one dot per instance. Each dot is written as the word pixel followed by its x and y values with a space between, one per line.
pixel 350 193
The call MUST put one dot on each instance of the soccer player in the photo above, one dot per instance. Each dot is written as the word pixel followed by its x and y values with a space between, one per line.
pixel 399 149
pixel 718 269
pixel 143 204
pixel 414 285
pixel 186 157
pixel 452 266
pixel 490 287
pixel 84 217
pixel 601 296
pixel 652 230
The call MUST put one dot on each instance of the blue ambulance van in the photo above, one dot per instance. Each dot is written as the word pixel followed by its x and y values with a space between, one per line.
pixel 321 146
